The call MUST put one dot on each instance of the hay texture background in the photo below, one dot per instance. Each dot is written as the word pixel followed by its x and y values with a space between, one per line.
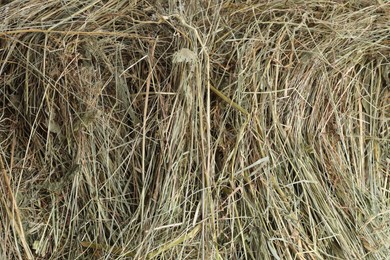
pixel 194 129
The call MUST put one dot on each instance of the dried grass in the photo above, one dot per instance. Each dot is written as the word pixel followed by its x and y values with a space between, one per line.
pixel 186 130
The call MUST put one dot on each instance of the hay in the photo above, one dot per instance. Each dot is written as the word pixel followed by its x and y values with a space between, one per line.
pixel 216 129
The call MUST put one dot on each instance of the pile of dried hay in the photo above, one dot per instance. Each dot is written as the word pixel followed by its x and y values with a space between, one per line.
pixel 217 129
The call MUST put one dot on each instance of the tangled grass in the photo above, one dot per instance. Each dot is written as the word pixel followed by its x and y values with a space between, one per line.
pixel 194 129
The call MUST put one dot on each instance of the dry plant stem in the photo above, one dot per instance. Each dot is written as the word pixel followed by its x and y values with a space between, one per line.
pixel 229 101
pixel 70 32
pixel 14 213
pixel 144 128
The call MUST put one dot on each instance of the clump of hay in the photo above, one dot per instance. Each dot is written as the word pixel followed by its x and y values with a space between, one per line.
pixel 222 130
